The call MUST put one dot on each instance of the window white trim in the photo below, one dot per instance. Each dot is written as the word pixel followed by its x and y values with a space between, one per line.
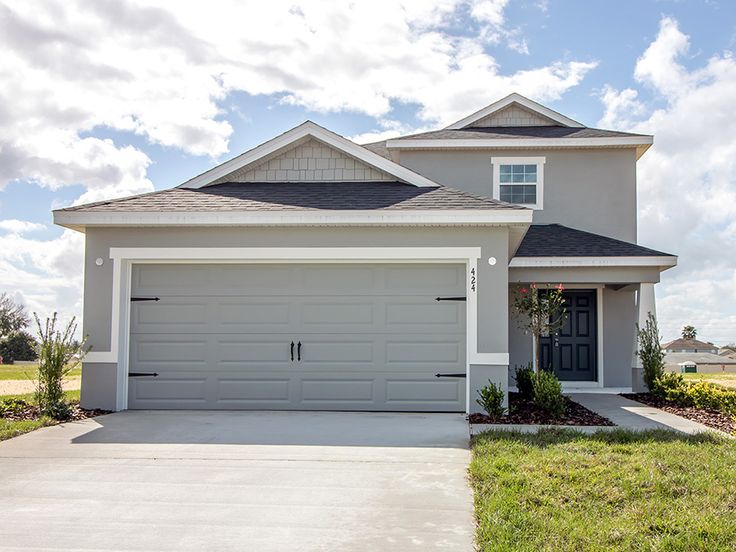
pixel 308 128
pixel 538 161
pixel 125 257
pixel 512 98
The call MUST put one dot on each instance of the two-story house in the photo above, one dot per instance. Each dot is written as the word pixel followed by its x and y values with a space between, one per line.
pixel 315 273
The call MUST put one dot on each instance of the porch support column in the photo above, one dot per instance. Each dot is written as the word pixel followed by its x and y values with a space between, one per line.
pixel 645 304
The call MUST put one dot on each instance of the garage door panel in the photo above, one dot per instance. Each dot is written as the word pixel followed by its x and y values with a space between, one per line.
pixel 424 313
pixel 244 390
pixel 405 391
pixel 373 337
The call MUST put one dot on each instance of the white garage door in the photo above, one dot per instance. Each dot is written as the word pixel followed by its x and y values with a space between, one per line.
pixel 366 337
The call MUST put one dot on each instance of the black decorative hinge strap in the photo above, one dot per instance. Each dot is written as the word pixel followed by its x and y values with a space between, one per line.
pixel 133 299
pixel 450 375
pixel 451 299
pixel 141 374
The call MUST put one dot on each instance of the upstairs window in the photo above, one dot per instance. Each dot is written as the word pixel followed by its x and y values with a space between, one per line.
pixel 519 180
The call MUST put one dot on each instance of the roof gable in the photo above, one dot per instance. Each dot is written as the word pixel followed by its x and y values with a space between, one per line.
pixel 513 110
pixel 307 160
pixel 330 146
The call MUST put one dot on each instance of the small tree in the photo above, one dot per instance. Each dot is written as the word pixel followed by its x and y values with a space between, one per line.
pixel 689 332
pixel 539 313
pixel 18 346
pixel 59 354
pixel 650 352
pixel 13 317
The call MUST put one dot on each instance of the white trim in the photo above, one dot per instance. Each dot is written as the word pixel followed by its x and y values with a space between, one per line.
pixel 496 162
pixel 522 101
pixel 520 143
pixel 125 257
pixel 551 262
pixel 454 217
pixel 308 128
pixel 294 254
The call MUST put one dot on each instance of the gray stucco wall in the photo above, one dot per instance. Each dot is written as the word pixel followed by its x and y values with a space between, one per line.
pixel 492 280
pixel 604 181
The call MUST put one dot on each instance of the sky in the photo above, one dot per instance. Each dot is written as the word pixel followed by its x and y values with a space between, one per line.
pixel 115 97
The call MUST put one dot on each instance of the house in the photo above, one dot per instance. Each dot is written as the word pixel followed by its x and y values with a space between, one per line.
pixel 315 273
pixel 727 351
pixel 705 362
pixel 682 345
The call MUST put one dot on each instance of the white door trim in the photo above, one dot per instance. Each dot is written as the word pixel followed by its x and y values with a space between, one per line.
pixel 599 373
pixel 125 257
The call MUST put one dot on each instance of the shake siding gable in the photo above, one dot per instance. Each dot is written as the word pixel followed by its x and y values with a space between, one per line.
pixel 514 116
pixel 309 161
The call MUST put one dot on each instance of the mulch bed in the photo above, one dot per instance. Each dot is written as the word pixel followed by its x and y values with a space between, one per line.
pixel 30 412
pixel 711 418
pixel 525 412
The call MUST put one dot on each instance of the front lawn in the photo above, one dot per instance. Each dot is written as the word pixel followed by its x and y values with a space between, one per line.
pixel 725 379
pixel 618 490
pixel 30 372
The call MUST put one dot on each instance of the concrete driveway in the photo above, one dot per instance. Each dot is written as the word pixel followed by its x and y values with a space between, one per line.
pixel 255 481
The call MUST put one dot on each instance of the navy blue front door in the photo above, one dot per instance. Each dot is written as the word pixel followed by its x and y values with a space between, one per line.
pixel 571 353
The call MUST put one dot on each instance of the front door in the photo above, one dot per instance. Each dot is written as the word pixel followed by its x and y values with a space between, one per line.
pixel 571 353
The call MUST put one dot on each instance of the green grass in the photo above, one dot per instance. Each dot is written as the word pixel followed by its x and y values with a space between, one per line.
pixel 724 379
pixel 29 372
pixel 563 490
pixel 13 428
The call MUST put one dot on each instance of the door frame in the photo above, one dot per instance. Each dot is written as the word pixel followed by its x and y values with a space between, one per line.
pixel 599 376
pixel 124 258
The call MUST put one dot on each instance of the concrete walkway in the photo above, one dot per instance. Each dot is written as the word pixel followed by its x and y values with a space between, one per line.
pixel 635 415
pixel 180 481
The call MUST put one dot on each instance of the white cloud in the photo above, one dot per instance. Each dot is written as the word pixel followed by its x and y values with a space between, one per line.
pixel 687 181
pixel 18 227
pixel 73 72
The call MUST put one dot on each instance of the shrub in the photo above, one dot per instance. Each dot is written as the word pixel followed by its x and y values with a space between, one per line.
pixel 18 346
pixel 58 355
pixel 699 394
pixel 12 406
pixel 547 394
pixel 650 352
pixel 491 400
pixel 525 381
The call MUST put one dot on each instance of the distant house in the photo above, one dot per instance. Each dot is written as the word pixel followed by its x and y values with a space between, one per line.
pixel 689 346
pixel 706 362
pixel 727 351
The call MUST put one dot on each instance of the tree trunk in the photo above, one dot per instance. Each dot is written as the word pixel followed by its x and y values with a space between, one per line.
pixel 538 353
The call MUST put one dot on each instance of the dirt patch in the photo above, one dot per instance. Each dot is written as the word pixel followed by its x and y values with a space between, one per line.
pixel 526 412
pixel 21 387
pixel 711 418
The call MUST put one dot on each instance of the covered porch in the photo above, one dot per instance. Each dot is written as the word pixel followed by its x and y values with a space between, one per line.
pixel 608 289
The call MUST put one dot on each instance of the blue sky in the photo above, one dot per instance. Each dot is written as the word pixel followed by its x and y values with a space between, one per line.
pixel 108 99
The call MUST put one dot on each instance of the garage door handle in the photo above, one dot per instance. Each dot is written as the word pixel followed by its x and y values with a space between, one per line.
pixel 292 351
pixel 299 351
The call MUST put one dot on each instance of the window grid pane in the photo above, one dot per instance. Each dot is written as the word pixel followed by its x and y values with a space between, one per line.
pixel 518 184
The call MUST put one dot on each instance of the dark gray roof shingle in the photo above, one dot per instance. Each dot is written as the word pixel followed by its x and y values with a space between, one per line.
pixel 284 196
pixel 555 240
pixel 504 133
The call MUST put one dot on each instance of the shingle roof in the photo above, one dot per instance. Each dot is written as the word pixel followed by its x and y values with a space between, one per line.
pixel 697 358
pixel 681 343
pixel 505 133
pixel 555 240
pixel 282 196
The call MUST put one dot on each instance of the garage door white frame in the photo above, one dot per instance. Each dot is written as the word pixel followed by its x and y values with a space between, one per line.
pixel 125 257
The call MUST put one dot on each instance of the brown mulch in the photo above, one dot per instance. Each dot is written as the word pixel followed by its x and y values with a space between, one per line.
pixel 711 418
pixel 526 412
pixel 30 412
